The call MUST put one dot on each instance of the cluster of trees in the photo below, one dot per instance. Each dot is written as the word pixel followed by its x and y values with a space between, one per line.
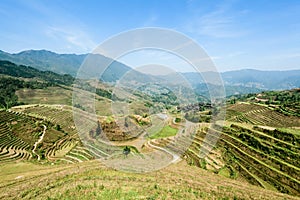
pixel 157 94
pixel 99 91
pixel 8 87
pixel 104 93
pixel 195 107
pixel 12 79
pixel 11 69
pixel 38 80
pixel 167 98
pixel 282 97
pixel 196 117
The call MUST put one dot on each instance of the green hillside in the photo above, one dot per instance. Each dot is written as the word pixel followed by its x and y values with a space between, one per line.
pixel 64 63
pixel 252 154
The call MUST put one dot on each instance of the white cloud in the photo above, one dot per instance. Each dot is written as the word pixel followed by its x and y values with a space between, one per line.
pixel 73 38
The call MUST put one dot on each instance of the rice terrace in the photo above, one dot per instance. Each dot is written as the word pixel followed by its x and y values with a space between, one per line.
pixel 147 114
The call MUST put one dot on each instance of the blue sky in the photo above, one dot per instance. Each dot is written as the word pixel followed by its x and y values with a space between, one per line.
pixel 258 34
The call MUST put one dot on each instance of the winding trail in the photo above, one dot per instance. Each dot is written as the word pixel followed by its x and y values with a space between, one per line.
pixel 39 141
pixel 176 158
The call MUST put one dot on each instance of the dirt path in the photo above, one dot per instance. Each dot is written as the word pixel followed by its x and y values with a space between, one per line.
pixel 176 158
pixel 39 141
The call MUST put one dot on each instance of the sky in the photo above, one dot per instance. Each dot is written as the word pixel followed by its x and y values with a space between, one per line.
pixel 236 34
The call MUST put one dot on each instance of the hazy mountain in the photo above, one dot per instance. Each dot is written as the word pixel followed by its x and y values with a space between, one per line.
pixel 236 82
pixel 46 60
pixel 249 78
pixel 63 63
pixel 263 79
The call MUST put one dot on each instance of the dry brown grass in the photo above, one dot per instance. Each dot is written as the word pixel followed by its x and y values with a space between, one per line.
pixel 92 180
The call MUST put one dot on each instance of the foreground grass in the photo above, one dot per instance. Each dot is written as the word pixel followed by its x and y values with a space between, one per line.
pixel 167 131
pixel 92 180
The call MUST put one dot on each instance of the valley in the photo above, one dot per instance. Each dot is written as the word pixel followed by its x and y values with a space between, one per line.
pixel 178 150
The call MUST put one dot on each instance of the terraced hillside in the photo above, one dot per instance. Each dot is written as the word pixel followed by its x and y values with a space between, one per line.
pixel 68 148
pixel 286 101
pixel 260 115
pixel 12 147
pixel 23 137
pixel 257 144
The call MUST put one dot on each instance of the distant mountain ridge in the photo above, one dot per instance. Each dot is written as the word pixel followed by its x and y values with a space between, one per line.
pixel 237 81
pixel 250 78
pixel 63 63
pixel 46 60
pixel 263 79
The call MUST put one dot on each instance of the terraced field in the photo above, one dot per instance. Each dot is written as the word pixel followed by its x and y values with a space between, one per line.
pixel 14 146
pixel 19 131
pixel 56 114
pixel 68 147
pixel 257 145
pixel 260 115
pixel 273 165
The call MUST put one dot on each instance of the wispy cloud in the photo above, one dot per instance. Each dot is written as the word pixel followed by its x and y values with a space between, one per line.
pixel 219 23
pixel 292 55
pixel 235 54
pixel 150 21
pixel 73 38
pixel 61 27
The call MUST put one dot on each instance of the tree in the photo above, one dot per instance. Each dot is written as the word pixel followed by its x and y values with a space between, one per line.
pixel 232 101
pixel 126 123
pixel 126 151
pixel 92 133
pixel 57 127
pixel 98 129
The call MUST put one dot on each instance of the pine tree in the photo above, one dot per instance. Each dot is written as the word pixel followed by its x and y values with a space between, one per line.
pixel 98 129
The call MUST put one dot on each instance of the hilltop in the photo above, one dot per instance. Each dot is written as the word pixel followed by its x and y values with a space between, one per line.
pixel 63 63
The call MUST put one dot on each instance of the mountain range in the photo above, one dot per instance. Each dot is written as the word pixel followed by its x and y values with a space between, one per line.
pixel 236 82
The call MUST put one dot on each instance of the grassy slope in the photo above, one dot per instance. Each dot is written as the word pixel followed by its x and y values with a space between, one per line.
pixel 167 131
pixel 91 180
pixel 60 95
pixel 50 95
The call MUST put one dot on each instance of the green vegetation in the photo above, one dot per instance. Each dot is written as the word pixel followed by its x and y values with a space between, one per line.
pixel 196 117
pixel 91 180
pixel 167 131
pixel 16 77
pixel 49 95
pixel 286 102
pixel 258 144
pixel 177 119
pixel 21 71
pixel 8 87
pixel 23 84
